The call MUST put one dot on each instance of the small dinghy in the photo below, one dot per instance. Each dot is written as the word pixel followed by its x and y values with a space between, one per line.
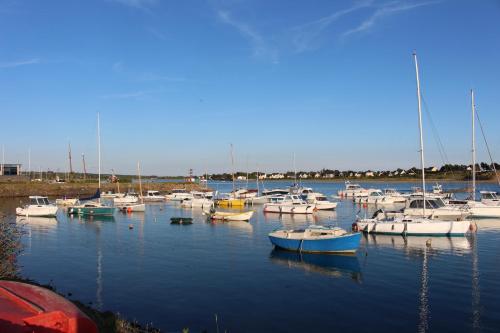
pixel 28 308
pixel 129 208
pixel 316 239
pixel 181 220
pixel 229 216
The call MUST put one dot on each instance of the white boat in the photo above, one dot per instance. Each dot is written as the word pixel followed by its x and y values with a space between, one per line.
pixel 422 224
pixel 352 190
pixel 207 194
pixel 489 198
pixel 435 208
pixel 178 194
pixel 153 196
pixel 266 196
pixel 66 201
pixel 275 192
pixel 230 216
pixel 38 206
pixel 288 204
pixel 111 195
pixel 397 196
pixel 377 197
pixel 320 201
pixel 132 207
pixel 198 200
pixel 129 198
pixel 244 193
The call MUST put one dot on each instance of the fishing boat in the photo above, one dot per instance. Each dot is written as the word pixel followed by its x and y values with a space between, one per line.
pixel 153 196
pixel 427 211
pixel 229 216
pixel 288 204
pixel 316 239
pixel 28 308
pixel 38 206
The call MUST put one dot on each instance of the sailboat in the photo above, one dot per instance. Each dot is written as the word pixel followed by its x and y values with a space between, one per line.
pixel 409 225
pixel 231 200
pixel 94 208
pixel 477 208
pixel 135 206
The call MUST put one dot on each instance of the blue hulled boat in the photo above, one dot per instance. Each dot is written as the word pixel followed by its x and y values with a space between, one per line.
pixel 316 239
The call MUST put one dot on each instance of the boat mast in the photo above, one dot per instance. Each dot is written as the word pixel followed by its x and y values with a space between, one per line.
pixel 473 146
pixel 294 170
pixel 140 182
pixel 84 167
pixel 422 162
pixel 29 163
pixel 3 158
pixel 232 165
pixel 69 158
pixel 99 148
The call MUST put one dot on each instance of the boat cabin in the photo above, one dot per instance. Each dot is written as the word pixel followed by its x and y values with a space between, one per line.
pixel 488 195
pixel 431 203
pixel 352 187
pixel 39 201
pixel 275 192
pixel 152 193
pixel 178 190
pixel 376 193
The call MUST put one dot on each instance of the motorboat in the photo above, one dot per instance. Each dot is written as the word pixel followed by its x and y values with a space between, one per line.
pixel 244 193
pixel 206 193
pixel 198 200
pixel 316 239
pixel 397 196
pixel 266 195
pixel 435 208
pixel 320 201
pixel 352 190
pixel 288 204
pixel 129 198
pixel 377 197
pixel 275 192
pixel 38 206
pixel 490 198
pixel 153 196
pixel 229 216
pixel 178 194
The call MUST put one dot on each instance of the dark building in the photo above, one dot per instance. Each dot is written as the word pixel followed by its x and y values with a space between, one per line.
pixel 10 169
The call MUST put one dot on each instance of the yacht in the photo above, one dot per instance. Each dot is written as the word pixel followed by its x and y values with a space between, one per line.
pixel 490 198
pixel 129 198
pixel 398 196
pixel 197 200
pixel 352 190
pixel 178 194
pixel 38 206
pixel 321 202
pixel 435 208
pixel 377 197
pixel 153 196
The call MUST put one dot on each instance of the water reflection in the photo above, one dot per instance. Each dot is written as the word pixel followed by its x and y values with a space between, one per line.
pixel 421 244
pixel 37 223
pixel 487 224
pixel 291 221
pixel 331 265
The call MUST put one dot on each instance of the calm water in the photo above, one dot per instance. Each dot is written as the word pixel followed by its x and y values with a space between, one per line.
pixel 181 276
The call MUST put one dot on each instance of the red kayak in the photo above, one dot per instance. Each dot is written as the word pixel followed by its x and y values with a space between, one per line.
pixel 25 308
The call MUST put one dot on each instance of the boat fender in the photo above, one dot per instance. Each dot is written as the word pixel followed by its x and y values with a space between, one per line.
pixel 279 209
pixel 354 227
pixel 473 227
pixel 129 210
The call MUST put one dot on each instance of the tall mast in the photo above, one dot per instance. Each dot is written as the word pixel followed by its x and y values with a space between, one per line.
pixel 99 147
pixel 294 170
pixel 69 158
pixel 232 164
pixel 84 167
pixel 140 182
pixel 473 107
pixel 3 158
pixel 29 163
pixel 422 162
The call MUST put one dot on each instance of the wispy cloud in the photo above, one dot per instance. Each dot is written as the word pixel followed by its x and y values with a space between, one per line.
pixel 383 11
pixel 18 63
pixel 305 34
pixel 260 47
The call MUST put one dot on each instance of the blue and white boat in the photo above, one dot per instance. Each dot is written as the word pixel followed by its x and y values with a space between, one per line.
pixel 316 239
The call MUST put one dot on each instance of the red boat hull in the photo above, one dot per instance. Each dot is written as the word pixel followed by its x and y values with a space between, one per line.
pixel 27 308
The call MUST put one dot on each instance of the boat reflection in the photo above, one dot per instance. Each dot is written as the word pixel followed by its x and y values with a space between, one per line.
pixel 291 221
pixel 90 218
pixel 37 223
pixel 417 244
pixel 332 265
pixel 487 224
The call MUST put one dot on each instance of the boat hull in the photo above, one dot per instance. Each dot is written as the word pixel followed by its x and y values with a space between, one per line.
pixel 40 211
pixel 433 228
pixel 92 211
pixel 289 209
pixel 341 244
pixel 226 216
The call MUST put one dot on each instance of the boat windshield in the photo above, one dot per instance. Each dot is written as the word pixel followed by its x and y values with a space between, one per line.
pixel 489 195
pixel 353 187
pixel 376 194
pixel 321 198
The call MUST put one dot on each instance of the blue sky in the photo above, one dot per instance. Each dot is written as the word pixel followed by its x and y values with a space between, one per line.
pixel 176 82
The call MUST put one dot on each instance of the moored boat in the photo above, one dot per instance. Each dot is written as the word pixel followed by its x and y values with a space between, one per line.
pixel 316 239
pixel 91 208
pixel 38 206
pixel 181 220
pixel 289 204
pixel 66 201
pixel 230 216
pixel 153 196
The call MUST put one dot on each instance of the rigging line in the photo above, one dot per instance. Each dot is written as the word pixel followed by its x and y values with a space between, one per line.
pixel 441 150
pixel 487 146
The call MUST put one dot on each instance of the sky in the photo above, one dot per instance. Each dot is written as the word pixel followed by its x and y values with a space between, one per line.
pixel 176 82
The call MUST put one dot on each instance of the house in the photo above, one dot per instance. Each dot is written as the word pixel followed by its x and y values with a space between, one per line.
pixel 263 176
pixel 317 175
pixel 402 173
pixel 304 176
pixel 369 174
pixel 433 169
pixel 241 178
pixel 357 175
pixel 277 176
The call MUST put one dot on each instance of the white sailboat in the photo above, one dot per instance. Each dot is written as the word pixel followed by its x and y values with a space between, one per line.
pixel 419 226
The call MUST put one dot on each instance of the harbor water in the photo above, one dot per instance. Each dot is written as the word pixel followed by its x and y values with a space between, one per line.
pixel 226 276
